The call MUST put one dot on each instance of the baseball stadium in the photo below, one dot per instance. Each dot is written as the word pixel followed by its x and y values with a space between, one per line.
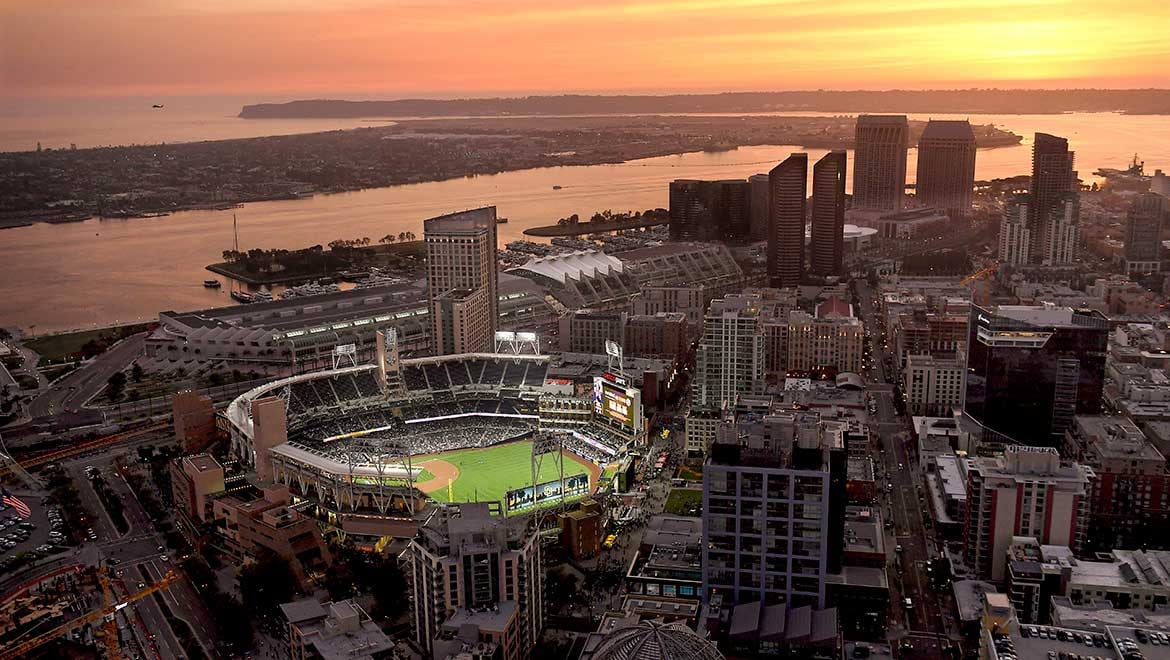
pixel 361 444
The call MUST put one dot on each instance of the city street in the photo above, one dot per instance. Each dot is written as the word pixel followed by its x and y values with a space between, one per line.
pixel 898 477
pixel 136 554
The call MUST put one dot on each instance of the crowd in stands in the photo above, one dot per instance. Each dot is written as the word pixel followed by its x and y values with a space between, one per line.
pixel 586 450
pixel 435 436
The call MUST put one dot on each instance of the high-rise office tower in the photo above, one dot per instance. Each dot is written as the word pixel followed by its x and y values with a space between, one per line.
pixel 462 291
pixel 946 166
pixel 710 210
pixel 760 207
pixel 827 245
pixel 469 568
pixel 879 162
pixel 1053 179
pixel 731 359
pixel 1143 233
pixel 773 508
pixel 1031 369
pixel 788 182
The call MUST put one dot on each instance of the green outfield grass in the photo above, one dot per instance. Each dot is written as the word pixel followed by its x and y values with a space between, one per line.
pixel 487 474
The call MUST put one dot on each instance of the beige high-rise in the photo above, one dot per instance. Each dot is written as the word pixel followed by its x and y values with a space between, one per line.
pixel 879 162
pixel 462 290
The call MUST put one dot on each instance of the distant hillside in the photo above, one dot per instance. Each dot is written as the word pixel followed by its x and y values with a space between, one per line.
pixel 971 101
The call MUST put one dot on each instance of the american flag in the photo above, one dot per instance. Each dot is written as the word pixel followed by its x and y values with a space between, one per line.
pixel 17 505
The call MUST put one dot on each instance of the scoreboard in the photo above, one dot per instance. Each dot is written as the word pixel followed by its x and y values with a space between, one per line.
pixel 617 402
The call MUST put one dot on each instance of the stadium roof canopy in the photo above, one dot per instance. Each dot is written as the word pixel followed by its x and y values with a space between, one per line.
pixel 573 265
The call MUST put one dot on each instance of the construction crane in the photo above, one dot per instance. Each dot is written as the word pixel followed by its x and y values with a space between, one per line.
pixel 986 271
pixel 107 613
pixel 981 296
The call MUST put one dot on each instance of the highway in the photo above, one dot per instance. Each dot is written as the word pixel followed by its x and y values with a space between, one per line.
pixel 898 477
pixel 72 391
pixel 61 407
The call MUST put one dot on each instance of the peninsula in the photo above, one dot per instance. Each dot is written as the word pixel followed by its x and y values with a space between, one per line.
pixel 966 101
pixel 146 181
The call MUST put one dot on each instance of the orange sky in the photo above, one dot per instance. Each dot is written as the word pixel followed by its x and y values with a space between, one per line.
pixel 395 47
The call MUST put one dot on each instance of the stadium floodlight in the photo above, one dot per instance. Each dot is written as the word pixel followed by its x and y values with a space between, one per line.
pixel 345 353
pixel 504 335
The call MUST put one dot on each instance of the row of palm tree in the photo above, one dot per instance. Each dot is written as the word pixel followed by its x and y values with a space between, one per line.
pixel 403 237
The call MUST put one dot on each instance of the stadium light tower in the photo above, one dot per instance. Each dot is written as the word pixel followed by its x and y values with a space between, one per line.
pixel 345 353
pixel 548 446
pixel 614 355
pixel 517 343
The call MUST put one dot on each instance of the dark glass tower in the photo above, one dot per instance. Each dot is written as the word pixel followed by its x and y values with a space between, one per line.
pixel 1031 369
pixel 788 185
pixel 827 246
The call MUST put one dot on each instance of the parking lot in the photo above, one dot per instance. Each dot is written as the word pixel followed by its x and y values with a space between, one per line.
pixel 42 534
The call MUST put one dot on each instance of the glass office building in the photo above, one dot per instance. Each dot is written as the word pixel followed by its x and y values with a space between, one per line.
pixel 1031 369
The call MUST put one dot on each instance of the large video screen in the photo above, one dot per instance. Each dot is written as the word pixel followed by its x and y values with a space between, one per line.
pixel 615 401
pixel 549 492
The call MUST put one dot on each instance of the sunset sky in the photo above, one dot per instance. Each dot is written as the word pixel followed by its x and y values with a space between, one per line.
pixel 388 48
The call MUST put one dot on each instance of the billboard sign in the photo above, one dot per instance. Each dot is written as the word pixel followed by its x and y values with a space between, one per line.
pixel 549 492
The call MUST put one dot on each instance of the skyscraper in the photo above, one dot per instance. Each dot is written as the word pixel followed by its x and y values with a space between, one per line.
pixel 760 206
pixel 1031 369
pixel 788 183
pixel 773 507
pixel 1052 179
pixel 879 162
pixel 1063 229
pixel 1029 492
pixel 827 247
pixel 710 210
pixel 1014 236
pixel 469 568
pixel 1143 233
pixel 730 359
pixel 462 280
pixel 946 166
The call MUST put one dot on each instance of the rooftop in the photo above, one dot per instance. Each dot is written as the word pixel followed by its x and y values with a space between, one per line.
pixel 948 129
pixel 572 265
pixel 472 220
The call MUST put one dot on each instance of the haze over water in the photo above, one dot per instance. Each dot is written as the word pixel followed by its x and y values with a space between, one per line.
pixel 56 277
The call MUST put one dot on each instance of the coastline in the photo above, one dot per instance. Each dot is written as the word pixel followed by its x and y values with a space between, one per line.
pixel 1007 139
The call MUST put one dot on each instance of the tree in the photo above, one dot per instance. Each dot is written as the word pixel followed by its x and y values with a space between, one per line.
pixel 267 583
pixel 136 373
pixel 339 581
pixel 232 621
pixel 116 383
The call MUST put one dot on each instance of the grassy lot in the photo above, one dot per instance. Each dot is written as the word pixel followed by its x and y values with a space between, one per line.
pixel 83 343
pixel 690 473
pixel 680 500
pixel 487 474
